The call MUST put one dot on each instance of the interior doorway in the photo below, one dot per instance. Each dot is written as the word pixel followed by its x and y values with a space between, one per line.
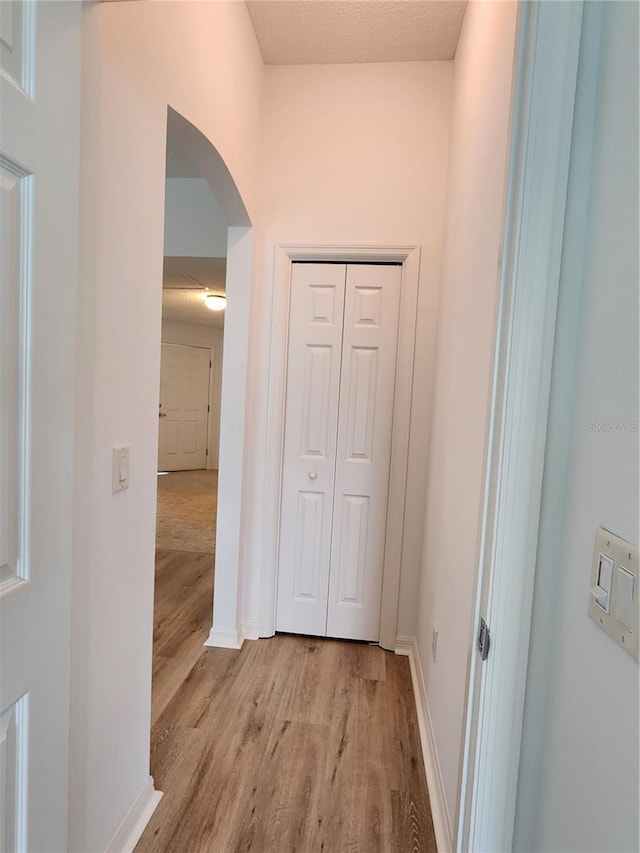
pixel 193 309
pixel 406 259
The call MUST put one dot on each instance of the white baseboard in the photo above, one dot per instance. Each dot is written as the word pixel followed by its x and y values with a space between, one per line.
pixel 128 833
pixel 435 783
pixel 224 638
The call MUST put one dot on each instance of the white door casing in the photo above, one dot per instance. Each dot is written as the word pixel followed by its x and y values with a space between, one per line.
pixel 545 89
pixel 39 159
pixel 285 257
pixel 340 390
pixel 184 404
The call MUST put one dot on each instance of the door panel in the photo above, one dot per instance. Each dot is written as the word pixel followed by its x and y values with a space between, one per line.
pixel 315 406
pixel 361 403
pixel 308 551
pixel 353 548
pixel 39 154
pixel 313 380
pixel 14 41
pixel 14 222
pixel 372 307
pixel 184 401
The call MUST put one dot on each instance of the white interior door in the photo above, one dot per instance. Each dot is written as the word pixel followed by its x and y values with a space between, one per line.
pixel 39 155
pixel 339 412
pixel 184 406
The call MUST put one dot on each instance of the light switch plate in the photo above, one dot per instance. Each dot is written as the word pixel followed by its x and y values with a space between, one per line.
pixel 624 595
pixel 120 468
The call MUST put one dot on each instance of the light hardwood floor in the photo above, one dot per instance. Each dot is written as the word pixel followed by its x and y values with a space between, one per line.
pixel 291 744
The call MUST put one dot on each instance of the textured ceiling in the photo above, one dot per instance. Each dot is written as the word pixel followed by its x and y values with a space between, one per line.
pixel 184 282
pixel 310 32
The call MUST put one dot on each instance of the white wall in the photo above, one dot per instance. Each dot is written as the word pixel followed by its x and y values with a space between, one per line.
pixel 203 60
pixel 211 338
pixel 466 328
pixel 194 224
pixel 579 780
pixel 353 154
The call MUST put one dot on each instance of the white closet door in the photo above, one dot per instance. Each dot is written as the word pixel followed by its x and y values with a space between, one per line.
pixel 343 336
pixel 364 451
pixel 313 383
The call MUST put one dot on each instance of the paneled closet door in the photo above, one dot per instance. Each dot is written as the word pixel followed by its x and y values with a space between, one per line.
pixel 313 383
pixel 363 458
pixel 343 333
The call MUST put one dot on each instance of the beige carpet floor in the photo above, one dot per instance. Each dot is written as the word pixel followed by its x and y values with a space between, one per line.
pixel 186 515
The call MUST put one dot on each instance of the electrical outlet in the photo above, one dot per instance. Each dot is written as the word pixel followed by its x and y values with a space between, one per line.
pixel 434 642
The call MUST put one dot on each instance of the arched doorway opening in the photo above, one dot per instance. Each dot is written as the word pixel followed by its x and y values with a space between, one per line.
pixel 196 171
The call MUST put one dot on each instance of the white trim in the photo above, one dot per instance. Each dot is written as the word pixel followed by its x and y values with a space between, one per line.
pixel 546 72
pixel 285 255
pixel 135 821
pixel 224 638
pixel 232 477
pixel 250 631
pixel 230 638
pixel 435 783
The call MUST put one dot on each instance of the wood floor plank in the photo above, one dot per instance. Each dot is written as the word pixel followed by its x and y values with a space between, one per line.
pixel 361 660
pixel 278 814
pixel 307 695
pixel 182 618
pixel 357 795
pixel 289 745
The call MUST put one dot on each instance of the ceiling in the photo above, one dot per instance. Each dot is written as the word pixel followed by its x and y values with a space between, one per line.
pixel 183 288
pixel 310 32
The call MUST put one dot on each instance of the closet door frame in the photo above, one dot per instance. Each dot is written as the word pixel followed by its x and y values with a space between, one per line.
pixel 285 256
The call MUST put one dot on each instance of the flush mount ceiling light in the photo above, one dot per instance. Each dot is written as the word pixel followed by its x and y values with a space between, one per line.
pixel 215 302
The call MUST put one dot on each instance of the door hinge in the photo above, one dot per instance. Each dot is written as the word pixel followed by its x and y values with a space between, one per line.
pixel 209 365
pixel 484 640
pixel 207 452
pixel 208 408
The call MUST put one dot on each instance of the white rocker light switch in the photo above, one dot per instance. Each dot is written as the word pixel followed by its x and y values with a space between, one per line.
pixel 614 598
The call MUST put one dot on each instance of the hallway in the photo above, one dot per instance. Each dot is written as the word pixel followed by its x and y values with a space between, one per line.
pixel 290 744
